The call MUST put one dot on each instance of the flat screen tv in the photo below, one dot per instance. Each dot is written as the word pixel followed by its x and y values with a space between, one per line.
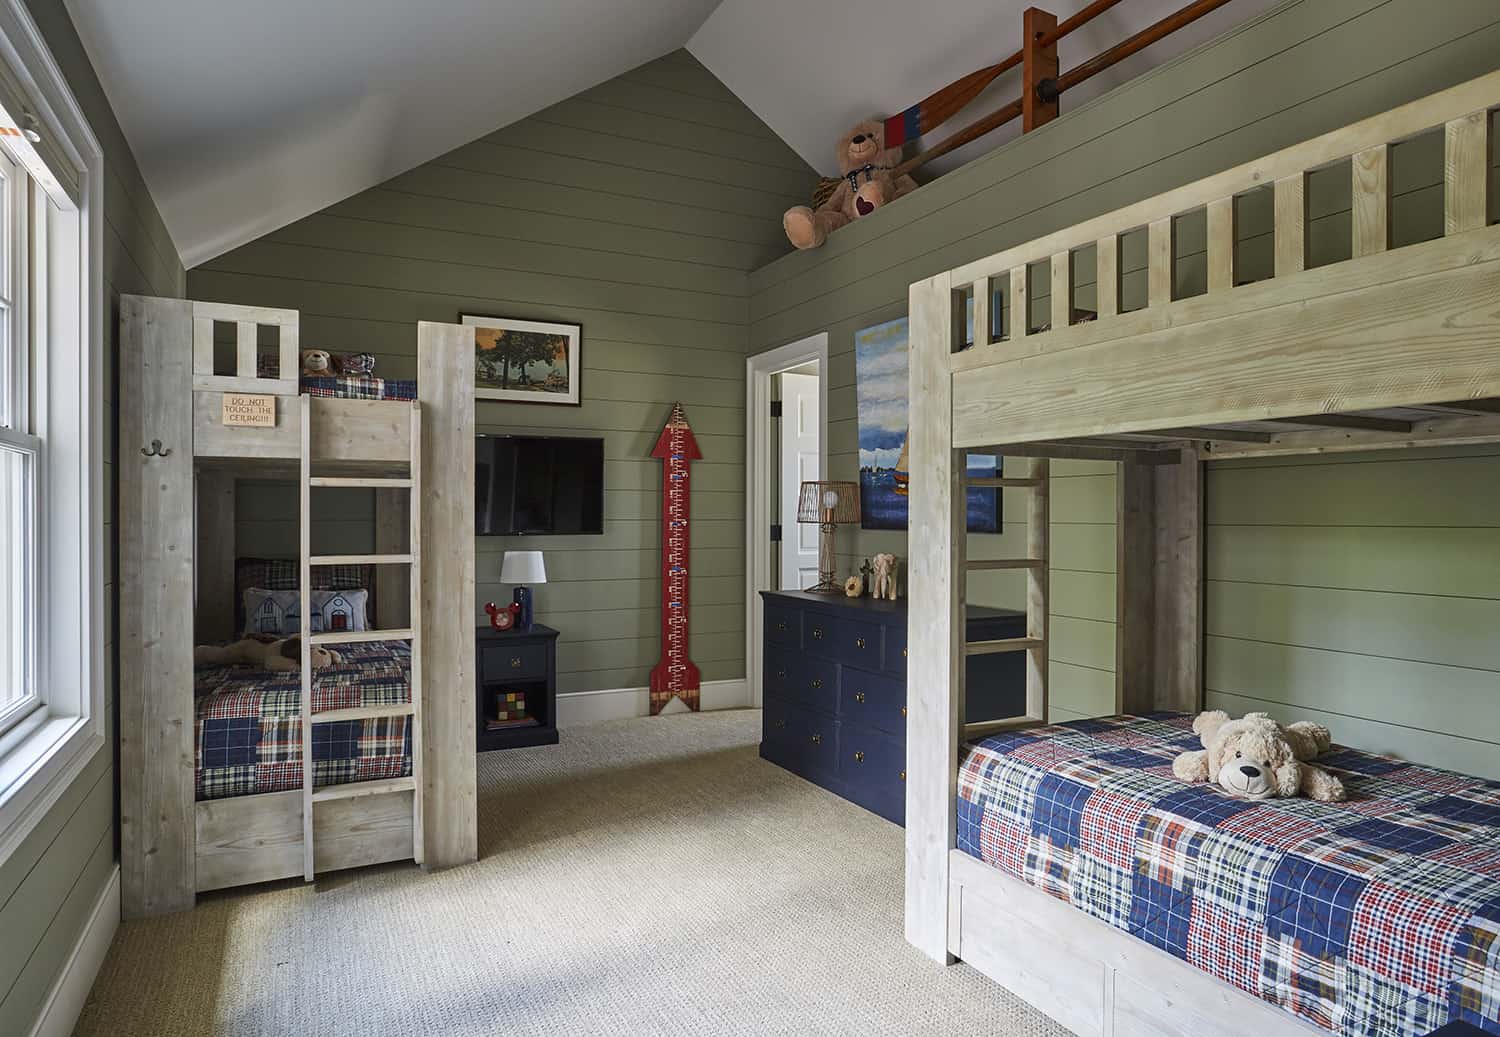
pixel 529 485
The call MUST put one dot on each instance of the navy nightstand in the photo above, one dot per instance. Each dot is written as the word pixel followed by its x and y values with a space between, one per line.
pixel 516 660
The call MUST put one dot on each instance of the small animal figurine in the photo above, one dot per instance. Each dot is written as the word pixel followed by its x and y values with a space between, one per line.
pixel 867 574
pixel 316 363
pixel 885 577
pixel 854 587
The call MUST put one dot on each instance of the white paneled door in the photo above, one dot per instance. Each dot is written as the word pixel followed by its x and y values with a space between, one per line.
pixel 799 464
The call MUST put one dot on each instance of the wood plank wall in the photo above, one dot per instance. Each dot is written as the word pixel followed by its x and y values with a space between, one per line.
pixel 49 885
pixel 1304 68
pixel 635 209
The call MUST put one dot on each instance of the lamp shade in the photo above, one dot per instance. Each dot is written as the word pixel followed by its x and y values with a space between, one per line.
pixel 523 567
pixel 826 501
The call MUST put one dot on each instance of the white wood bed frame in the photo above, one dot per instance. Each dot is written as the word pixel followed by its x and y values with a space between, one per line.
pixel 178 466
pixel 1389 349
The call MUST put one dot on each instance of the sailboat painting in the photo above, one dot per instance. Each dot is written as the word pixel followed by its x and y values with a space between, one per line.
pixel 880 373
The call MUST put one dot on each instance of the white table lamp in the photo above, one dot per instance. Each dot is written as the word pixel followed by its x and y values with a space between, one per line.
pixel 522 568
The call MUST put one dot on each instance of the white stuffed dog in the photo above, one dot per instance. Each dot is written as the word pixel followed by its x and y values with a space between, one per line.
pixel 281 655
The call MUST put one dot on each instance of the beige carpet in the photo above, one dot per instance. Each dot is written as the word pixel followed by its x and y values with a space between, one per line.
pixel 644 877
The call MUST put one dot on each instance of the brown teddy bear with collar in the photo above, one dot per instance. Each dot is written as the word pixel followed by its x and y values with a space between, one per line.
pixel 867 168
pixel 1257 758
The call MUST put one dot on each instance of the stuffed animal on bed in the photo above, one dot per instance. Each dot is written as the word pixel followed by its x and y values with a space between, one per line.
pixel 867 168
pixel 1256 758
pixel 281 655
pixel 316 363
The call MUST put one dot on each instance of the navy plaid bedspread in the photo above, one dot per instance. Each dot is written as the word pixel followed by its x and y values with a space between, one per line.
pixel 359 387
pixel 1380 915
pixel 247 733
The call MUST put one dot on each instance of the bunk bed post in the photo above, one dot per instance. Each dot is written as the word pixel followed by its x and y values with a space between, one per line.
pixel 393 585
pixel 157 870
pixel 935 612
pixel 1465 172
pixel 445 382
pixel 1135 585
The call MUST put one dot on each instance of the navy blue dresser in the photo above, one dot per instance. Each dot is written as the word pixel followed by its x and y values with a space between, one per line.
pixel 835 690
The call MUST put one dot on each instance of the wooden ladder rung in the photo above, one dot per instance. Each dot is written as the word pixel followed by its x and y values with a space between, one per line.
pixel 383 559
pixel 349 637
pixel 359 482
pixel 354 789
pixel 985 728
pixel 1003 482
pixel 394 709
pixel 1005 563
pixel 1009 644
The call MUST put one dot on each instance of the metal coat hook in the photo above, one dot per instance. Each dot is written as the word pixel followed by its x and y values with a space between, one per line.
pixel 155 450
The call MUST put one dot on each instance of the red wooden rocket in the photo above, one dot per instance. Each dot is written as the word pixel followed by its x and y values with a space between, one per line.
pixel 675 674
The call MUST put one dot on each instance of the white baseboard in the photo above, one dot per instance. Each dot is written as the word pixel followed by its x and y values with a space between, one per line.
pixel 590 707
pixel 65 1000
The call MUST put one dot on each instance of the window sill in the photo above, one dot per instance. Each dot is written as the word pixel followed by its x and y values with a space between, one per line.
pixel 39 758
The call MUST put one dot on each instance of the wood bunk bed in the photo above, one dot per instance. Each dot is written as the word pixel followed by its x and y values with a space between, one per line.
pixel 1391 348
pixel 181 454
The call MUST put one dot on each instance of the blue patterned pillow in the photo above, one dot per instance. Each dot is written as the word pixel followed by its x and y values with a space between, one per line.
pixel 278 613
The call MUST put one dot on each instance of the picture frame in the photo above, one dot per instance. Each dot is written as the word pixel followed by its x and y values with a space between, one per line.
pixel 526 361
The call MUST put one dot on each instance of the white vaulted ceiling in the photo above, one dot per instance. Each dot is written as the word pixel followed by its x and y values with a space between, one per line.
pixel 245 116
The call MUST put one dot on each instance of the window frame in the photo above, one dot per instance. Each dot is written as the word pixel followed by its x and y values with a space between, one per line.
pixel 44 753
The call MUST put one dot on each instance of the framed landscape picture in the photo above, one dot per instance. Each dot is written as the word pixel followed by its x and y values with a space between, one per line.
pixel 525 361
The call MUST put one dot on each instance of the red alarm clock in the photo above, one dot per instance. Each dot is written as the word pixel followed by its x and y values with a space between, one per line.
pixel 502 618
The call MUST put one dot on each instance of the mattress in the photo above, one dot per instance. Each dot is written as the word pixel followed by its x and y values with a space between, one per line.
pixel 360 387
pixel 1380 915
pixel 247 731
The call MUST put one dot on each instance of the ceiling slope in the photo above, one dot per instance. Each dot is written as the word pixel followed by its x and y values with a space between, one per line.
pixel 247 116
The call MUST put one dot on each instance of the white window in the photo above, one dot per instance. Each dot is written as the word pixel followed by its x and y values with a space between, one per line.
pixel 52 631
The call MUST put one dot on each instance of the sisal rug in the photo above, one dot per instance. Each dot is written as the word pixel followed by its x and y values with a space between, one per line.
pixel 649 876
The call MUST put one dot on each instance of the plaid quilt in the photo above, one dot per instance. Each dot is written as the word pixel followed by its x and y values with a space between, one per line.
pixel 1380 915
pixel 247 732
pixel 360 387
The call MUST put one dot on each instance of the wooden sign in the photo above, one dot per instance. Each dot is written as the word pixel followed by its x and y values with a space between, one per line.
pixel 249 411
pixel 674 676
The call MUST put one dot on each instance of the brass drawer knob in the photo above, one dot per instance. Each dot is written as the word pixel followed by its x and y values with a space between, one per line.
pixel 817 633
pixel 781 675
pixel 859 756
pixel 781 723
pixel 515 664
pixel 903 653
pixel 859 697
pixel 859 642
pixel 781 625
pixel 903 711
pixel 903 775
pixel 817 682
pixel 817 739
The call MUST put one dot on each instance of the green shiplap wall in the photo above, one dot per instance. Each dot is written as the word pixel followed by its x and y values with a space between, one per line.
pixel 635 209
pixel 49 885
pixel 1302 69
pixel 1364 592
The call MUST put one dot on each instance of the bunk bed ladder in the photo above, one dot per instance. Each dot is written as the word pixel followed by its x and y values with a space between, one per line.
pixel 313 794
pixel 1037 565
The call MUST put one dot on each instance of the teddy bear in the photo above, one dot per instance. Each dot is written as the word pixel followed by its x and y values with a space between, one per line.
pixel 316 363
pixel 1254 757
pixel 282 654
pixel 867 168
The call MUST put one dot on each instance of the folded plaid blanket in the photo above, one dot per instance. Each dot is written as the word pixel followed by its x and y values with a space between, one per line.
pixel 1380 915
pixel 247 731
pixel 360 387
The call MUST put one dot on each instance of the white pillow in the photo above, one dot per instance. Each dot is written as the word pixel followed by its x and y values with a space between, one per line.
pixel 279 613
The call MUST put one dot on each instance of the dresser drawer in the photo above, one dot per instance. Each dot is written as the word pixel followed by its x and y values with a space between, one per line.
pixel 820 634
pixel 800 739
pixel 895 648
pixel 512 662
pixel 871 765
pixel 858 642
pixel 783 626
pixel 803 680
pixel 873 699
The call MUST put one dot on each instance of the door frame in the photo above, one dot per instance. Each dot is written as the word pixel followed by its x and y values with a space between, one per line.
pixel 759 465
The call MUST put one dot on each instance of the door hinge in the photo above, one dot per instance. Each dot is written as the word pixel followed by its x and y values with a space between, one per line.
pixel 775 408
pixel 776 533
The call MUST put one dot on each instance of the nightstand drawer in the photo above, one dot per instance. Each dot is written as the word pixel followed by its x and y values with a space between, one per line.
pixel 783 627
pixel 858 642
pixel 872 699
pixel 513 662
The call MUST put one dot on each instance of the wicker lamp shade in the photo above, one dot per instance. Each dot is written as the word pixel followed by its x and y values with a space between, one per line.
pixel 829 504
pixel 813 502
